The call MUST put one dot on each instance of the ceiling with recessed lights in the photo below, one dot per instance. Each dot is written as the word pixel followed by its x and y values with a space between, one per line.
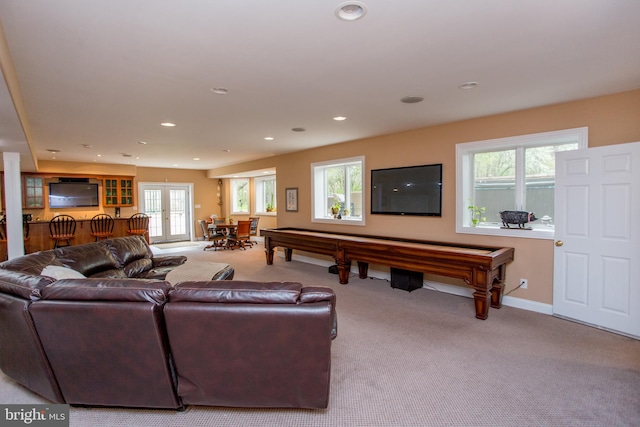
pixel 253 79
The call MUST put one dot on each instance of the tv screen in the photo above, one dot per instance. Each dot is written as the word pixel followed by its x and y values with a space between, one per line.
pixel 411 190
pixel 72 194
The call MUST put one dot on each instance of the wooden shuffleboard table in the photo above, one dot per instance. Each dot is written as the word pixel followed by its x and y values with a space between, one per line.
pixel 482 267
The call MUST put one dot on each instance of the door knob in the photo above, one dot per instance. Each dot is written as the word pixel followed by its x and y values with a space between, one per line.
pixel 559 243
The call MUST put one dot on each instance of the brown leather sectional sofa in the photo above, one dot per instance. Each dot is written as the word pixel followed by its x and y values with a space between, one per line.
pixel 118 341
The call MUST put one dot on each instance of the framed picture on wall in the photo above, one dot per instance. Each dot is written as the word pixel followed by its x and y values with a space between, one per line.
pixel 291 195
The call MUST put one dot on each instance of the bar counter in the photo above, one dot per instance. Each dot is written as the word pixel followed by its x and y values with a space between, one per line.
pixel 39 239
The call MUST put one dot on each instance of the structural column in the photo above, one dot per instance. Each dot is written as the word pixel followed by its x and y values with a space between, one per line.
pixel 13 204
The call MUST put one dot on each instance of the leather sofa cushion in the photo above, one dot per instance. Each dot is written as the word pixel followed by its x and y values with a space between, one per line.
pixel 31 263
pixel 128 249
pixel 21 284
pixel 154 291
pixel 137 267
pixel 236 292
pixel 114 273
pixel 88 259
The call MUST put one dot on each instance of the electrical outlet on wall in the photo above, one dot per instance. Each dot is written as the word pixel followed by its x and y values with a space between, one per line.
pixel 523 283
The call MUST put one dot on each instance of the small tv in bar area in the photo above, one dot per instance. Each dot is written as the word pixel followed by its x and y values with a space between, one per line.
pixel 410 190
pixel 73 194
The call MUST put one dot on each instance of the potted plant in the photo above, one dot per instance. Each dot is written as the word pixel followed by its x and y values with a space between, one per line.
pixel 476 214
pixel 269 207
pixel 335 209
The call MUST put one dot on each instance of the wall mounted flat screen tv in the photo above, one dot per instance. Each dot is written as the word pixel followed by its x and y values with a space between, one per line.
pixel 72 194
pixel 411 190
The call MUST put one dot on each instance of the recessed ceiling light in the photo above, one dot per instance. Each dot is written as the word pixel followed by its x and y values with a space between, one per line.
pixel 99 155
pixel 298 129
pixel 412 99
pixel 227 150
pixel 126 155
pixel 468 85
pixel 339 118
pixel 53 150
pixel 351 10
pixel 87 145
pixel 175 164
pixel 196 158
pixel 219 90
pixel 168 124
pixel 142 142
pixel 268 138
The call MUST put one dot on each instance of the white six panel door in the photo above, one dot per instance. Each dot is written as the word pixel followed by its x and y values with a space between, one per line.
pixel 597 237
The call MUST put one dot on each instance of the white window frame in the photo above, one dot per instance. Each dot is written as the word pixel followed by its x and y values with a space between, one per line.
pixel 464 176
pixel 232 185
pixel 319 194
pixel 259 202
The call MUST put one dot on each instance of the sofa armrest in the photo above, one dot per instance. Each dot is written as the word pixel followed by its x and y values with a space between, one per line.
pixel 168 260
pixel 22 285
pixel 317 293
pixel 311 294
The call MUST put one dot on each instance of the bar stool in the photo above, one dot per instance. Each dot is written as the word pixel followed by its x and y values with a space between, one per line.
pixel 138 224
pixel 62 227
pixel 102 226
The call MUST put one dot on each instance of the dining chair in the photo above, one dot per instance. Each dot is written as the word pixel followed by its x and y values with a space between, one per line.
pixel 253 231
pixel 239 235
pixel 216 237
pixel 102 226
pixel 138 224
pixel 62 228
pixel 204 227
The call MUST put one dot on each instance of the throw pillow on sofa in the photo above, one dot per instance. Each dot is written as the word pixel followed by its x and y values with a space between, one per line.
pixel 58 272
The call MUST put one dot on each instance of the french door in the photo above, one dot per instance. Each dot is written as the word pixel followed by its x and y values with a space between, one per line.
pixel 169 210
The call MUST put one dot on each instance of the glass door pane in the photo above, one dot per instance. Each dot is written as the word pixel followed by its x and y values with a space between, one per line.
pixel 177 213
pixel 153 208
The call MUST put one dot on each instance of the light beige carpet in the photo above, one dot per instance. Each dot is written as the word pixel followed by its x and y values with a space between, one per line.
pixel 423 359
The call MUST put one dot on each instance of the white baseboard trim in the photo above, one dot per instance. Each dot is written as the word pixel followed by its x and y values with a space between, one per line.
pixel 526 304
pixel 523 304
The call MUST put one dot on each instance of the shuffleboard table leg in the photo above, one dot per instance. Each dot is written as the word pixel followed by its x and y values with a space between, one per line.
pixel 363 269
pixel 498 287
pixel 482 307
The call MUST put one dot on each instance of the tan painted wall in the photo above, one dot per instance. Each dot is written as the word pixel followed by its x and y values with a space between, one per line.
pixel 611 119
